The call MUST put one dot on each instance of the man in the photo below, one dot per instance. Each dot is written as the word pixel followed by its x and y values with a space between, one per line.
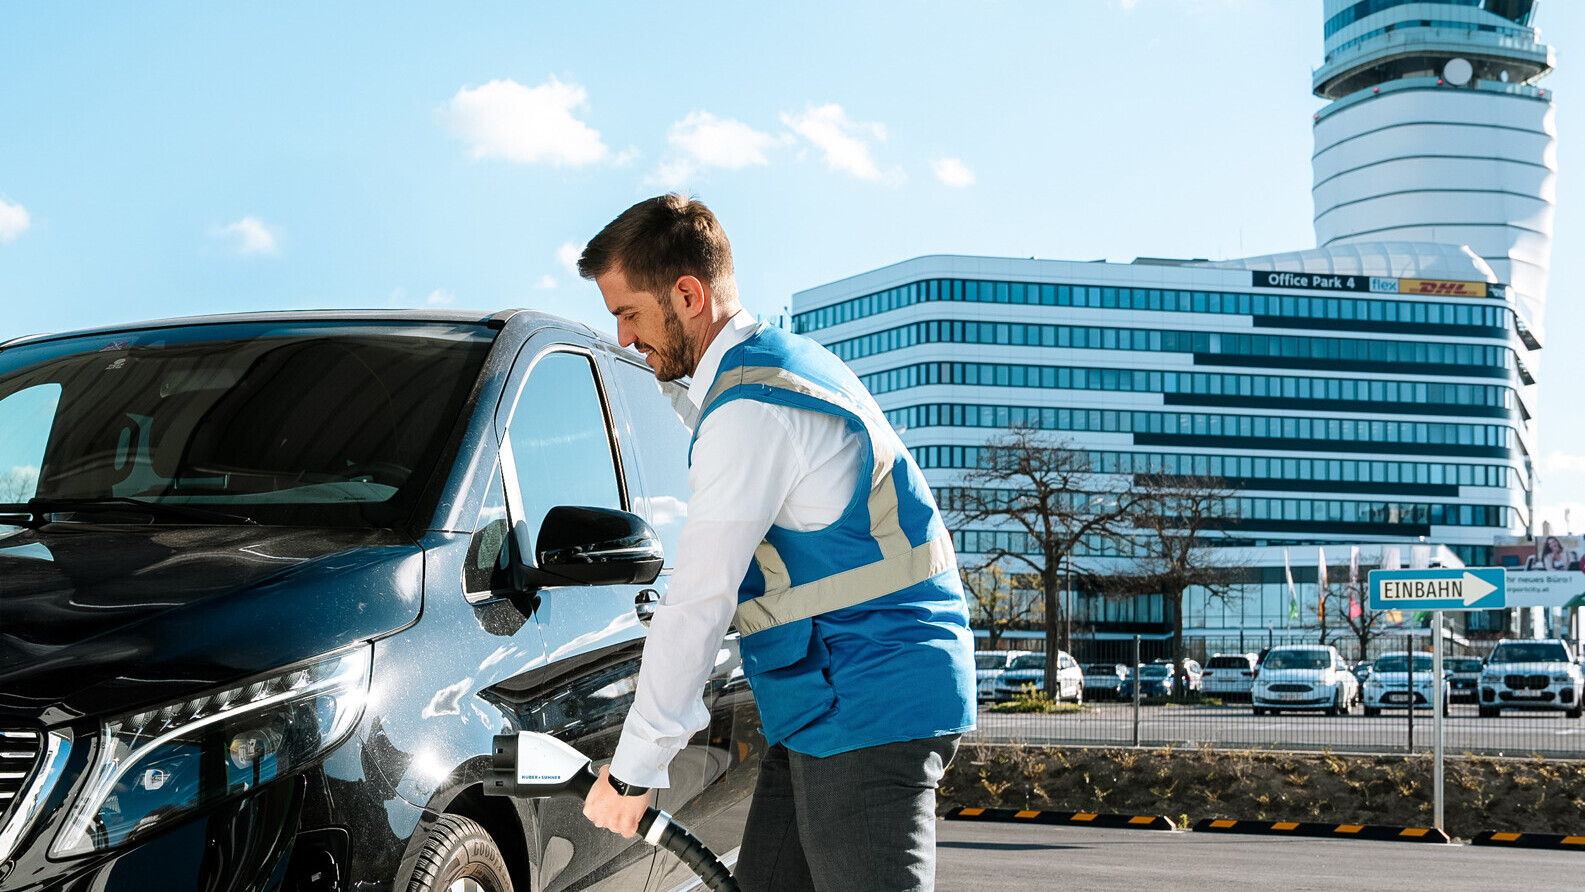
pixel 812 529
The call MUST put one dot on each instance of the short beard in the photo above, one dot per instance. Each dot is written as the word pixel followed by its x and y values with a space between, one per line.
pixel 672 359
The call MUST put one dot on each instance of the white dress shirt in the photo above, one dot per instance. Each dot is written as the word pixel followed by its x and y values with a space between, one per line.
pixel 754 464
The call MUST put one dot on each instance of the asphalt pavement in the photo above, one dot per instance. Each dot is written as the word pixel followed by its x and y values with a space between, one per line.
pixel 972 857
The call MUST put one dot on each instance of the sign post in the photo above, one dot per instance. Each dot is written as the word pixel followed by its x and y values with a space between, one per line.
pixel 1462 588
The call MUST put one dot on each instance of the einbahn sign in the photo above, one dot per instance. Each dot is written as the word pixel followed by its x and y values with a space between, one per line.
pixel 1464 588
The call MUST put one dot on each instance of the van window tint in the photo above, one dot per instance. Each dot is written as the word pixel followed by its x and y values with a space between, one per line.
pixel 334 423
pixel 662 459
pixel 486 568
pixel 25 420
pixel 561 441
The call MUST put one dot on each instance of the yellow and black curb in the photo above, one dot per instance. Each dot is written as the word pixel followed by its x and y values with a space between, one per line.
pixel 1074 818
pixel 1310 828
pixel 1529 840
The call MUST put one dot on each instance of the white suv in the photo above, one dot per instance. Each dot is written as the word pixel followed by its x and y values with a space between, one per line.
pixel 1533 674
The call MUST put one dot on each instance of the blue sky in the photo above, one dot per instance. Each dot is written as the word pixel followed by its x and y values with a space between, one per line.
pixel 161 159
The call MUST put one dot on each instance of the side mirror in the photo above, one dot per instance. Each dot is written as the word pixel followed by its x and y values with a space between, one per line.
pixel 592 546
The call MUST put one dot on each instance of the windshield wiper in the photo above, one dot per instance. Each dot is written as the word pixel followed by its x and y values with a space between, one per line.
pixel 38 508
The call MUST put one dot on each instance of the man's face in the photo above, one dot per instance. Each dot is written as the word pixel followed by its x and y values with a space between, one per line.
pixel 650 324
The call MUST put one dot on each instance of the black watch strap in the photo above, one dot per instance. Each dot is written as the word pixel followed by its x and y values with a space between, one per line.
pixel 624 788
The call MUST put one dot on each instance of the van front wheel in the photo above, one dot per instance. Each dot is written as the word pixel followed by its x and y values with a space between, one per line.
pixel 459 856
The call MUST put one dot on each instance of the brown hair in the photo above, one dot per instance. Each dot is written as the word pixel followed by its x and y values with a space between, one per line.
pixel 660 240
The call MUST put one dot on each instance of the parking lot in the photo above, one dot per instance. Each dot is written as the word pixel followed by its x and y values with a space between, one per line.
pixel 1234 726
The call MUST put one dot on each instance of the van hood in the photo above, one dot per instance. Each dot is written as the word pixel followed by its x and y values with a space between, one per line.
pixel 97 619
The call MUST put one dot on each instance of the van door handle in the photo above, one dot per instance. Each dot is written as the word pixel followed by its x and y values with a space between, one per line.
pixel 644 605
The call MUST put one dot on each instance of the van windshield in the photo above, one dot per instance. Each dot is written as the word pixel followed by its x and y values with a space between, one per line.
pixel 297 423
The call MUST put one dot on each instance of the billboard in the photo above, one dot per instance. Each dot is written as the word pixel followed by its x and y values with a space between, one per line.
pixel 1544 571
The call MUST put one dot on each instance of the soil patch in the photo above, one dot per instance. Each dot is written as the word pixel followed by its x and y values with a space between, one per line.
pixel 1481 793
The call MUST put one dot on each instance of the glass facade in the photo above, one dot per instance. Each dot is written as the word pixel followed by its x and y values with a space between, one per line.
pixel 1343 312
pixel 1335 417
pixel 1349 353
pixel 1257 471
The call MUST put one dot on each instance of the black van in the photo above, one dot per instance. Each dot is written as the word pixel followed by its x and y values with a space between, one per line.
pixel 269 585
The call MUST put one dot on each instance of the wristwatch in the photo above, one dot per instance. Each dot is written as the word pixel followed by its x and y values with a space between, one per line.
pixel 624 788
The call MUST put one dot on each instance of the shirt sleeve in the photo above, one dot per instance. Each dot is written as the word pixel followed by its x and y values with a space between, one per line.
pixel 745 463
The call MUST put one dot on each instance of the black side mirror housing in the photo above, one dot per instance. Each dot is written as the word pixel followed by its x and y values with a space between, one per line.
pixel 591 546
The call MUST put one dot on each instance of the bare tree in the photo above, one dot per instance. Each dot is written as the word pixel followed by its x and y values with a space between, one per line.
pixel 1048 496
pixel 18 484
pixel 997 600
pixel 1175 520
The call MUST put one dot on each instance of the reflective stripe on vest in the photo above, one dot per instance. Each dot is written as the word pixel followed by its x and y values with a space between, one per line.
pixel 783 603
pixel 902 564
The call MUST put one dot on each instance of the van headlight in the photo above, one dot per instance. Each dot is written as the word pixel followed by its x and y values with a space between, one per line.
pixel 157 766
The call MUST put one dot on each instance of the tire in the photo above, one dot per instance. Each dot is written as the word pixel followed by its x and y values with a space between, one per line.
pixel 459 856
pixel 1258 711
pixel 1576 712
pixel 1372 712
pixel 1489 712
pixel 1078 695
pixel 1337 704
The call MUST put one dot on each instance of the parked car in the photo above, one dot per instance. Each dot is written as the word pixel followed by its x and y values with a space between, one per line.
pixel 1463 676
pixel 1029 672
pixel 1229 676
pixel 1304 677
pixel 1190 676
pixel 280 579
pixel 1105 681
pixel 1361 670
pixel 1152 679
pixel 1531 674
pixel 1389 684
pixel 988 668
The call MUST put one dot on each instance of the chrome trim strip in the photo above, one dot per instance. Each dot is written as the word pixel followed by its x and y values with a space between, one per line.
pixel 56 747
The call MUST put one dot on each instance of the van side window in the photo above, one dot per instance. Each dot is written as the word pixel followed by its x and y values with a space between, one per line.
pixel 486 569
pixel 561 440
pixel 26 417
pixel 663 460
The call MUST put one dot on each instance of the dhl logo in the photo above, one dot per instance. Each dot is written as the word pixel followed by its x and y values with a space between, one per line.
pixel 1446 289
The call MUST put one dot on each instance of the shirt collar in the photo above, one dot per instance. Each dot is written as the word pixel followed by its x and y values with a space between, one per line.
pixel 738 328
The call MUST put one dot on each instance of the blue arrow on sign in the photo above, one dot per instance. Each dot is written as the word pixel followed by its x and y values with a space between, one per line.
pixel 1466 588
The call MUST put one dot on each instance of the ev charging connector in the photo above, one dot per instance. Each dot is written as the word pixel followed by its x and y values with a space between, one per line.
pixel 534 765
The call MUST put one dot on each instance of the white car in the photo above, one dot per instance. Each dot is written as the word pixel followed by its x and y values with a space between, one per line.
pixel 1304 677
pixel 1388 684
pixel 1533 674
pixel 1229 676
pixel 988 667
pixel 1030 670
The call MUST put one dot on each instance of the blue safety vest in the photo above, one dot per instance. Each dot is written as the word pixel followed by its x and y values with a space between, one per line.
pixel 856 634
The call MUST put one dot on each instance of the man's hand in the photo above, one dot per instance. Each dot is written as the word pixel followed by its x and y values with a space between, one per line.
pixel 608 809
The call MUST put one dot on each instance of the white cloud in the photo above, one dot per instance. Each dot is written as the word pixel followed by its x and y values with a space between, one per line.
pixel 14 220
pixel 706 141
pixel 952 171
pixel 440 298
pixel 567 255
pixel 1561 461
pixel 250 235
pixel 846 143
pixel 546 282
pixel 673 175
pixel 715 142
pixel 504 119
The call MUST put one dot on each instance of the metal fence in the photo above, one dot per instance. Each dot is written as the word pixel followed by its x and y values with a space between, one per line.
pixel 1534 717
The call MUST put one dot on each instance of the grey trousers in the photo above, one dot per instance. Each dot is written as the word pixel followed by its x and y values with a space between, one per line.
pixel 860 821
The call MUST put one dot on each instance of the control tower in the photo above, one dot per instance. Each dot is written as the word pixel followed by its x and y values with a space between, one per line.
pixel 1439 130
